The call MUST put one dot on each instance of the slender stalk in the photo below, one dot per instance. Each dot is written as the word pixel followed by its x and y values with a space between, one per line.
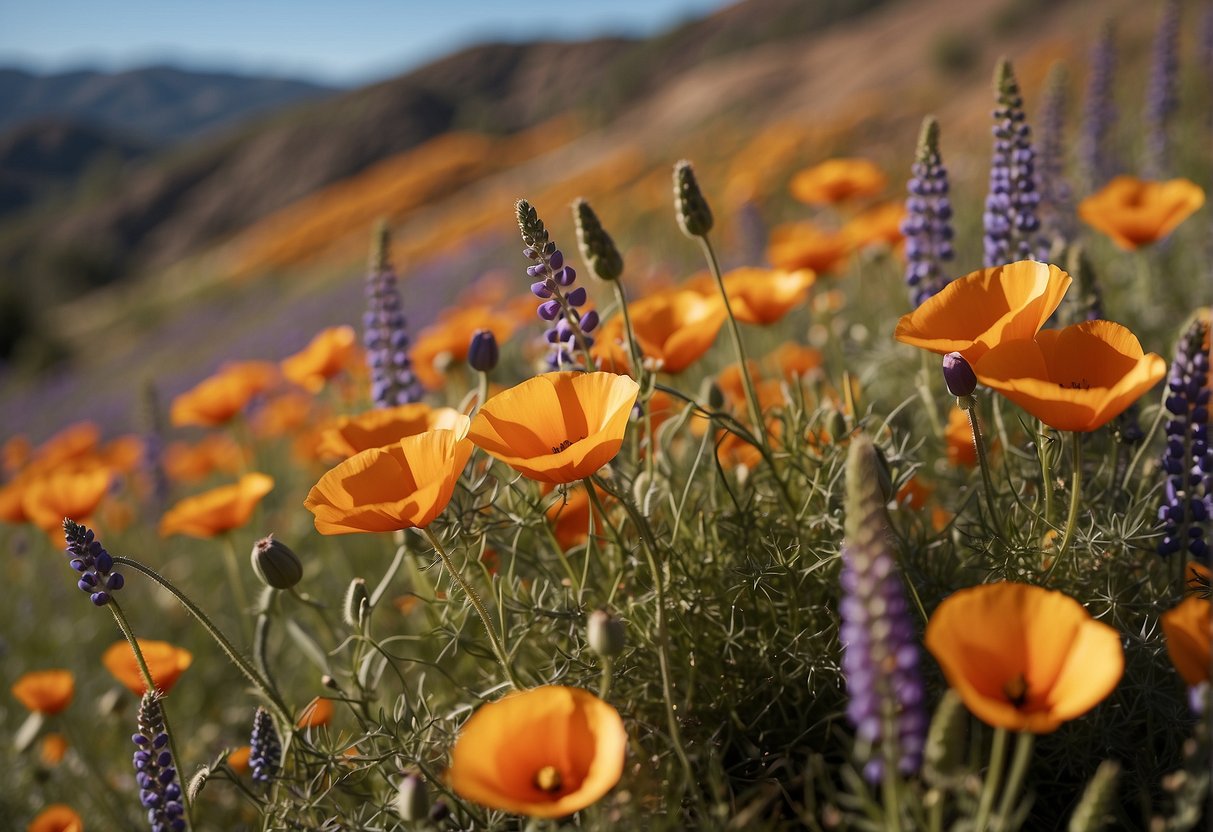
pixel 392 569
pixel 629 333
pixel 969 405
pixel 498 649
pixel 990 787
pixel 150 684
pixel 928 398
pixel 1019 770
pixel 482 390
pixel 604 686
pixel 1075 499
pixel 1147 443
pixel 1046 475
pixel 261 634
pixel 231 562
pixel 751 397
pixel 224 643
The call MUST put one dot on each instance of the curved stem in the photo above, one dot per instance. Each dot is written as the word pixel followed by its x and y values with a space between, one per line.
pixel 969 405
pixel 224 643
pixel 1019 770
pixel 498 649
pixel 993 777
pixel 1075 499
pixel 1046 476
pixel 231 563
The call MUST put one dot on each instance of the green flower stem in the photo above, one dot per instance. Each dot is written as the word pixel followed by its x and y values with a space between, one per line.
pixel 969 405
pixel 751 397
pixel 1147 444
pixel 928 397
pixel 663 635
pixel 1046 475
pixel 604 686
pixel 150 684
pixel 482 390
pixel 231 562
pixel 1075 502
pixel 242 664
pixel 393 568
pixel 261 635
pixel 498 649
pixel 993 777
pixel 891 797
pixel 629 333
pixel 1020 759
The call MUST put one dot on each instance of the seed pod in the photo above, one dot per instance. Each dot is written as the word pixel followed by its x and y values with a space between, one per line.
pixel 276 564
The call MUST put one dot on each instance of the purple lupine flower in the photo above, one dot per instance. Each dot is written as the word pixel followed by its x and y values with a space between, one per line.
pixel 265 749
pixel 1187 462
pixel 928 223
pixel 89 558
pixel 1162 95
pixel 569 328
pixel 384 334
pixel 1099 111
pixel 1012 228
pixel 154 769
pixel 880 646
pixel 1056 199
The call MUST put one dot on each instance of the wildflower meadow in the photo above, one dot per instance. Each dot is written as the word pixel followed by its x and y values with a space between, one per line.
pixel 889 510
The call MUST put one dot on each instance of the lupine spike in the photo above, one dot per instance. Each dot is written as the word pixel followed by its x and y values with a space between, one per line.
pixel 1099 111
pixel 880 652
pixel 597 248
pixel 928 223
pixel 155 771
pixel 96 567
pixel 384 334
pixel 1056 199
pixel 1012 226
pixel 265 749
pixel 1162 95
pixel 1187 462
pixel 570 328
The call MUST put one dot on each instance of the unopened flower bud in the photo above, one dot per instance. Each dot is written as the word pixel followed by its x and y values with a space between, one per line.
pixel 694 215
pixel 606 634
pixel 412 798
pixel 715 396
pixel 275 564
pixel 483 352
pixel 357 603
pixel 597 248
pixel 958 375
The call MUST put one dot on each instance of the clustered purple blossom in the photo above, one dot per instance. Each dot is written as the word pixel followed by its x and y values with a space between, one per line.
pixel 1012 228
pixel 880 647
pixel 386 339
pixel 265 749
pixel 1056 203
pixel 569 329
pixel 95 565
pixel 154 769
pixel 1099 111
pixel 928 223
pixel 1187 462
pixel 1162 95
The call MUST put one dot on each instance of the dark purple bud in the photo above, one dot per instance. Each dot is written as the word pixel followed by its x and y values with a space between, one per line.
pixel 483 352
pixel 958 375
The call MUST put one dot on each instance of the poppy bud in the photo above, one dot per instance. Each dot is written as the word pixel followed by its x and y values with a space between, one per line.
pixel 357 603
pixel 958 375
pixel 597 247
pixel 694 215
pixel 275 564
pixel 606 634
pixel 483 352
pixel 412 798
pixel 715 396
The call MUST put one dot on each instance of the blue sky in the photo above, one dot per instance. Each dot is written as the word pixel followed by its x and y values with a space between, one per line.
pixel 339 41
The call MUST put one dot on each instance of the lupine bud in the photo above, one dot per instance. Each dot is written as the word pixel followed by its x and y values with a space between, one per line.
pixel 928 223
pixel 569 330
pixel 597 248
pixel 154 769
pixel 958 375
pixel 1056 203
pixel 412 798
pixel 606 634
pixel 1187 461
pixel 88 557
pixel 265 748
pixel 483 352
pixel 275 564
pixel 384 335
pixel 1012 228
pixel 1099 111
pixel 1162 95
pixel 357 603
pixel 694 215
pixel 1094 809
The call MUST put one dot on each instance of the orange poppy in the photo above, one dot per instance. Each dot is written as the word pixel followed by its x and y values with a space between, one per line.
pixel 74 441
pixel 1135 213
pixel 73 490
pixel 218 510
pixel 1189 629
pixel 283 414
pixel 959 436
pixel 316 713
pixel 45 691
pixel 238 759
pixel 545 752
pixel 795 361
pixel 385 426
pixel 610 350
pixel 400 486
pixel 570 517
pixel 326 355
pixel 57 817
pixel 1197 577
pixel 1023 657
pixel 185 462
pixel 676 328
pixel 52 749
pixel 450 338
pixel 914 494
pixel 1077 378
pixel 975 313
pixel 216 400
pixel 557 427
pixel 837 180
pixel 11 494
pixel 124 454
pixel 803 245
pixel 16 452
pixel 165 663
pixel 880 225
pixel 764 296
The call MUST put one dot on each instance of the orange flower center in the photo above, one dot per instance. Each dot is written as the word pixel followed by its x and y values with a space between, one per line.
pixel 1016 691
pixel 564 445
pixel 1075 385
pixel 548 779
